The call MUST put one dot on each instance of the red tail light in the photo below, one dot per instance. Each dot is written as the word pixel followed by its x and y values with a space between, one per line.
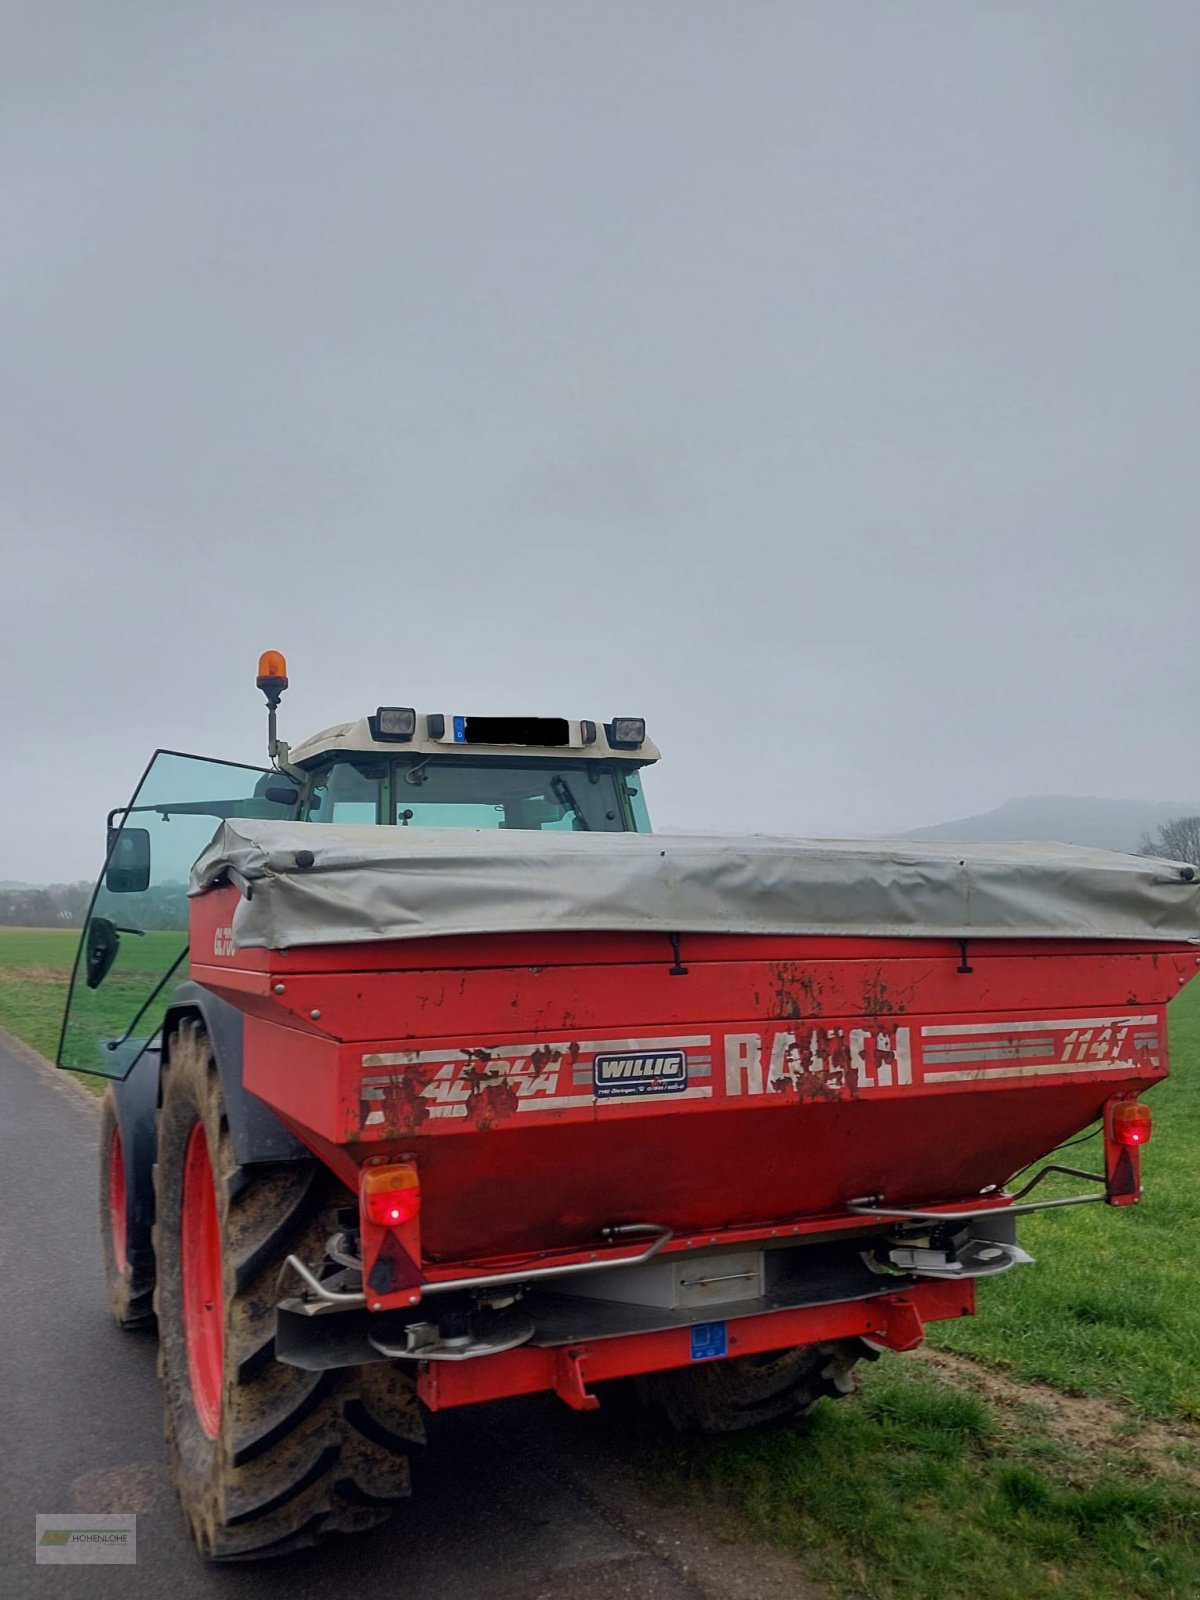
pixel 391 1195
pixel 1131 1123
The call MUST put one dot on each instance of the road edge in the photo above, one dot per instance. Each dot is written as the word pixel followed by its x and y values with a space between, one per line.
pixel 61 1081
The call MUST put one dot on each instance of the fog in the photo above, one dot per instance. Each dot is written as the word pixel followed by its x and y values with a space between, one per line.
pixel 819 381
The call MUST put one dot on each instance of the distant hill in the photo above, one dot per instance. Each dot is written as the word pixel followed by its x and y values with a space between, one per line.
pixel 1069 819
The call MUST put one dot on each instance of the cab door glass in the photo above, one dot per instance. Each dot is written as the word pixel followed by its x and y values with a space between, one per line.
pixel 134 944
pixel 349 792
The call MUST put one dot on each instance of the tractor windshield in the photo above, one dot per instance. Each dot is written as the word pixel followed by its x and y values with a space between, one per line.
pixel 450 792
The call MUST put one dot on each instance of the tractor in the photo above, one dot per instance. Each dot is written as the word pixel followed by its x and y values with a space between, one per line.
pixel 438 1077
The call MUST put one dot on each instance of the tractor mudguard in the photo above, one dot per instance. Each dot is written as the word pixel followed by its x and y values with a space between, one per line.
pixel 256 1132
pixel 137 1108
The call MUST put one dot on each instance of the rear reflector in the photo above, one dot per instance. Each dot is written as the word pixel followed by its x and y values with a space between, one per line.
pixel 391 1195
pixel 1131 1123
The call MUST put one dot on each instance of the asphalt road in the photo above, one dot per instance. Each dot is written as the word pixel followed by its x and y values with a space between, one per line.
pixel 519 1501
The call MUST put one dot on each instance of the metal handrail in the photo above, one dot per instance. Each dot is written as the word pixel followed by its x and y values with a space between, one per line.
pixel 489 1280
pixel 1071 1172
pixel 342 1297
pixel 332 1297
pixel 871 1205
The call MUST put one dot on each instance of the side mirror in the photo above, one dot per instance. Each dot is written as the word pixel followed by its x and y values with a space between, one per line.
pixel 128 870
pixel 100 951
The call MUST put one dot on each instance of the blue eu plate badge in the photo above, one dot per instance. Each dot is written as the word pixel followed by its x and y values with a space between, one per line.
pixel 709 1339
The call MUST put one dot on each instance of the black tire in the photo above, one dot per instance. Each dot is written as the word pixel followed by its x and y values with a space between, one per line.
pixel 754 1391
pixel 292 1455
pixel 128 1279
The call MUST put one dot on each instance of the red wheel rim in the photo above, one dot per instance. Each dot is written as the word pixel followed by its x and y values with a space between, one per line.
pixel 203 1295
pixel 116 1200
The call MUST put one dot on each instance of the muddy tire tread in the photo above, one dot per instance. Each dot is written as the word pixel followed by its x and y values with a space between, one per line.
pixel 299 1455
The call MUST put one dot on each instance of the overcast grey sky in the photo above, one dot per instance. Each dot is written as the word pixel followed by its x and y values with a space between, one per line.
pixel 821 380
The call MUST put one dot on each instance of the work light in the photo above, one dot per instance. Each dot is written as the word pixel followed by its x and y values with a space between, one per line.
pixel 394 722
pixel 627 733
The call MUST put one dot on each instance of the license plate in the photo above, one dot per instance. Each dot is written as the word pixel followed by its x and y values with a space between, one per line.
pixel 709 1340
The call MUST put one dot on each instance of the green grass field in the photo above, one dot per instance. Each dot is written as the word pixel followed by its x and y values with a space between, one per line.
pixel 914 1490
pixel 1113 1306
pixel 35 965
pixel 35 970
pixel 927 1489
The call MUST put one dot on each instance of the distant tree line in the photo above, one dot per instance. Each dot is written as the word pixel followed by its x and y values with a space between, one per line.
pixel 1177 840
pixel 162 905
pixel 59 905
pixel 64 905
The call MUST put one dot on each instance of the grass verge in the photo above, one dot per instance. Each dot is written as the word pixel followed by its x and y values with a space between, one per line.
pixel 1111 1307
pixel 35 971
pixel 35 968
pixel 916 1491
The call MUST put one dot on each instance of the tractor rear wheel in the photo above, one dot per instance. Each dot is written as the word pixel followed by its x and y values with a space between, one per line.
pixel 754 1391
pixel 129 1287
pixel 267 1458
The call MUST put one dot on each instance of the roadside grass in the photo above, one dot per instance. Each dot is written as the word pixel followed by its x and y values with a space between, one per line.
pixel 35 973
pixel 1112 1306
pixel 35 968
pixel 913 1491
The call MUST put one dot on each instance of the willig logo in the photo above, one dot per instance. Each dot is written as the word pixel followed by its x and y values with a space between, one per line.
pixel 223 942
pixel 639 1072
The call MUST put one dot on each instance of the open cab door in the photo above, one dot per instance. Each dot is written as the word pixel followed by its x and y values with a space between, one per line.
pixel 135 938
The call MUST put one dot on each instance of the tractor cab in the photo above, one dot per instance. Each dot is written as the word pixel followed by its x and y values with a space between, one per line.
pixel 394 768
pixel 404 768
pixel 540 773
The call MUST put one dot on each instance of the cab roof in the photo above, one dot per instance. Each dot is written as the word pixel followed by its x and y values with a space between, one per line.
pixel 440 734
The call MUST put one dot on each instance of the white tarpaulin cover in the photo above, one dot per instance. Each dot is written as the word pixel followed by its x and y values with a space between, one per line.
pixel 314 883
